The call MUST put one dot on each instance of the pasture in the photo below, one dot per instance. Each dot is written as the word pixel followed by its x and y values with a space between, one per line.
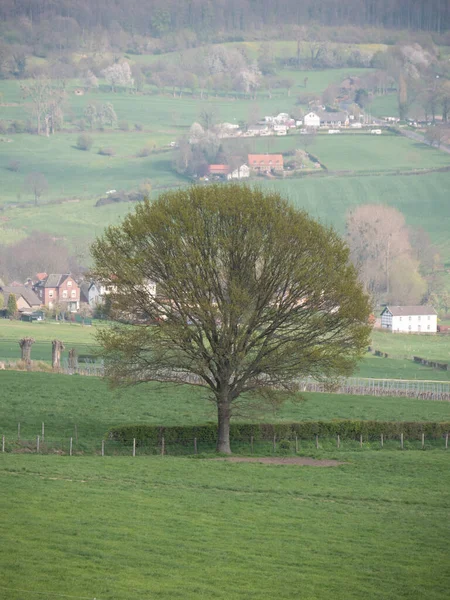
pixel 399 365
pixel 360 152
pixel 431 347
pixel 64 402
pixel 112 528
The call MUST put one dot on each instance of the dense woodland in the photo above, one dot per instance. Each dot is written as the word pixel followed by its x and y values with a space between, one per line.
pixel 150 17
pixel 64 22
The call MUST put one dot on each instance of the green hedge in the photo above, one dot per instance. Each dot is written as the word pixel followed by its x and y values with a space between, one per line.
pixel 240 432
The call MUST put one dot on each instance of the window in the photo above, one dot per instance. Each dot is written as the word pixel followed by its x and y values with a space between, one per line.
pixel 50 294
pixel 73 293
pixel 409 327
pixel 428 327
pixel 418 317
pixel 400 318
pixel 428 317
pixel 64 293
pixel 69 284
pixel 409 318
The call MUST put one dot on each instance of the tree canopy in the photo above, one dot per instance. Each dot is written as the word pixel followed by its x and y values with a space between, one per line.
pixel 251 296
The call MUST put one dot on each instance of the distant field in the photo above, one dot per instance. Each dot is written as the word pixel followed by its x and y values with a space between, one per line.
pixel 361 151
pixel 432 347
pixel 422 199
pixel 173 528
pixel 72 335
pixel 397 368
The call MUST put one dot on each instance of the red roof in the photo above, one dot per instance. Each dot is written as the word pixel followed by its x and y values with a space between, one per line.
pixel 265 160
pixel 218 169
pixel 41 276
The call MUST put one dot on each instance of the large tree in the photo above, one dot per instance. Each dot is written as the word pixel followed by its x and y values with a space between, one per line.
pixel 252 295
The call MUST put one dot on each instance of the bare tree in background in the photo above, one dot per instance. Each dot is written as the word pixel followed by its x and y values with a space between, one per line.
pixel 36 184
pixel 377 236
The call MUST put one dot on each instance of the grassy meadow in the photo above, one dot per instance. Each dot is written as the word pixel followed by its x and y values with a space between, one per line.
pixel 64 402
pixel 399 365
pixel 168 528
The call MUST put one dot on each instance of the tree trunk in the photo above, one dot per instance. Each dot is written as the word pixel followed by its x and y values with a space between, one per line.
pixel 224 414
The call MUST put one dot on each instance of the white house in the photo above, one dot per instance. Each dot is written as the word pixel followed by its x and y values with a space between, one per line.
pixel 239 173
pixel 280 129
pixel 409 319
pixel 311 120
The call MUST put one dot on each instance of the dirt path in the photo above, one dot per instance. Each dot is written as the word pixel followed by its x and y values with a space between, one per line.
pixel 288 460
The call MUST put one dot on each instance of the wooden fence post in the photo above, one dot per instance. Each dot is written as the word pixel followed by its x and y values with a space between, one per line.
pixel 446 440
pixel 423 441
pixel 360 440
pixel 37 444
pixel 401 441
pixel 274 443
pixel 251 444
pixel 134 447
pixel 296 444
pixel 338 441
pixel 317 441
pixel 70 446
pixel 18 432
pixel 195 445
pixel 163 446
pixel 382 440
pixel 103 447
pixel 3 443
pixel 43 431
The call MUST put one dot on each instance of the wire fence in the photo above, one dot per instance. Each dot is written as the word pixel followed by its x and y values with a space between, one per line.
pixel 289 446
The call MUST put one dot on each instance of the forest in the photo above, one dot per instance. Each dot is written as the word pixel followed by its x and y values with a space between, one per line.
pixel 62 23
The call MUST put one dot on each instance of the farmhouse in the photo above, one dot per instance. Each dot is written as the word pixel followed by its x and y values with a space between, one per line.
pixel 409 319
pixel 265 163
pixel 59 288
pixel 312 119
pixel 226 171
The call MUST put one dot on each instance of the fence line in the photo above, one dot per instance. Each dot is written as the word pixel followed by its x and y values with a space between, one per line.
pixel 359 386
pixel 290 446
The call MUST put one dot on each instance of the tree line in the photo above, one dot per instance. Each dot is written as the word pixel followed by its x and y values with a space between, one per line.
pixel 159 17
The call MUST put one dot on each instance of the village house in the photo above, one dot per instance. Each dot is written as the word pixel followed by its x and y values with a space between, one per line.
pixel 225 171
pixel 59 288
pixel 266 163
pixel 312 119
pixel 253 130
pixel 26 299
pixel 92 294
pixel 240 173
pixel 218 170
pixel 334 119
pixel 409 319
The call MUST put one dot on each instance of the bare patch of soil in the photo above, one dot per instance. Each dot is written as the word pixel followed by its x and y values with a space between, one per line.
pixel 285 460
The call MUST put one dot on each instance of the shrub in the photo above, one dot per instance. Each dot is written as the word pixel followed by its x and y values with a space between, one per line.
pixel 13 165
pixel 3 127
pixel 282 431
pixel 138 127
pixel 106 151
pixel 123 125
pixel 143 152
pixel 84 141
pixel 17 127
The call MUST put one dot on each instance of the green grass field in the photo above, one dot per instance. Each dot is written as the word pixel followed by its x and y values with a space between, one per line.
pixel 432 347
pixel 63 401
pixel 399 365
pixel 168 528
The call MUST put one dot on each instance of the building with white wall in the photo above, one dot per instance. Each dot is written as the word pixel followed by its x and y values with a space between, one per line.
pixel 409 319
